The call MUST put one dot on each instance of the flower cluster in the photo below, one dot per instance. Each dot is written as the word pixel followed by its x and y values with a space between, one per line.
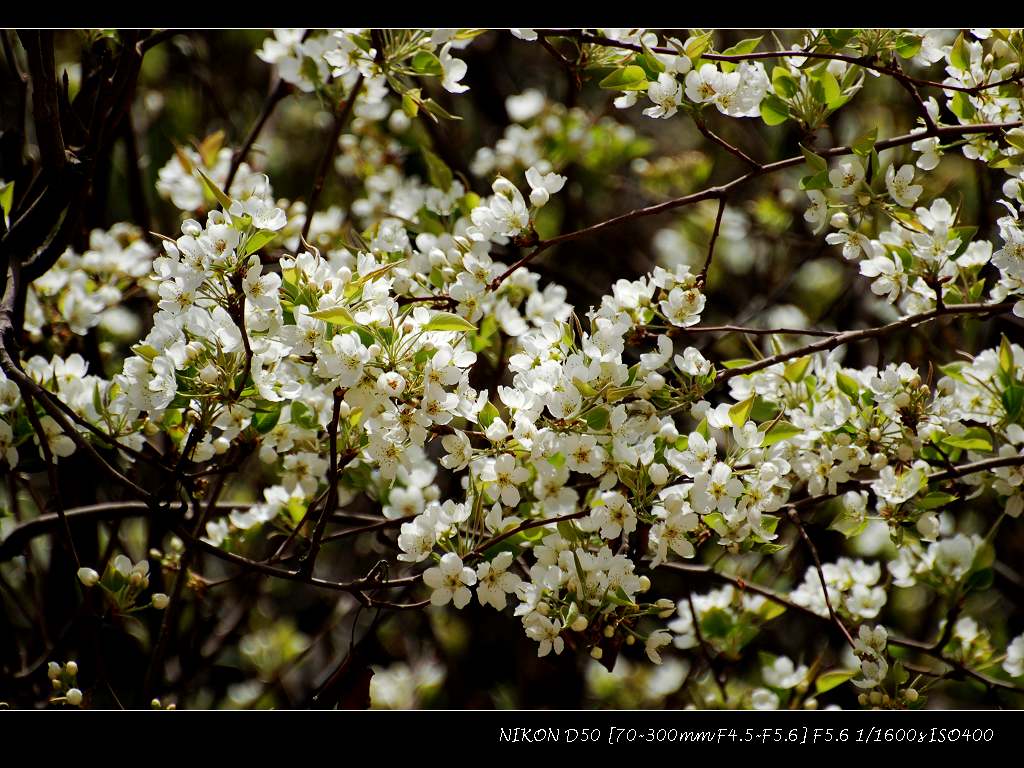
pixel 402 352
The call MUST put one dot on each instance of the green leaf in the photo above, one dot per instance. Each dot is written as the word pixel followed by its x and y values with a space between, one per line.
pixel 780 430
pixel 833 678
pixel 935 500
pixel 743 46
pixel 774 111
pixel 264 421
pixel 695 47
pixel 448 321
pixel 838 38
pixel 764 410
pixel 749 45
pixel 7 201
pixel 436 110
pixel 257 241
pixel 584 387
pixel 426 63
pixel 597 419
pixel 209 147
pixel 783 82
pixel 817 181
pixel 848 385
pixel 797 369
pixel 488 414
pixel 770 610
pixel 1013 401
pixel 336 315
pixel 716 523
pixel 832 93
pixel 961 106
pixel 864 143
pixel 411 102
pixel 959 56
pixel 979 581
pixel 650 63
pixel 739 362
pixel 1015 138
pixel 716 623
pixel 217 192
pixel 848 523
pixel 908 46
pixel 438 172
pixel 740 413
pixel 964 235
pixel 303 415
pixel 815 161
pixel 628 78
pixel 973 439
pixel 614 394
pixel 1005 356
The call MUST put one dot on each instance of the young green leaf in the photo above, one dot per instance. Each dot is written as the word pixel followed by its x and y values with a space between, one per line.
pixel 629 78
pixel 448 321
pixel 739 414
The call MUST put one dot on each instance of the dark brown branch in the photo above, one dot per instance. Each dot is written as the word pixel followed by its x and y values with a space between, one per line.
pixel 846 337
pixel 703 276
pixel 795 519
pixel 331 502
pixel 775 597
pixel 712 666
pixel 38 45
pixel 277 93
pixel 867 62
pixel 718 192
pixel 716 139
pixel 340 119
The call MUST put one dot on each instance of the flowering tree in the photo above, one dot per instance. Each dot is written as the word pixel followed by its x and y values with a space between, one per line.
pixel 697 356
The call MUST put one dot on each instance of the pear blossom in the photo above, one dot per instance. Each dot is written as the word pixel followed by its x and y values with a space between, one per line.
pixel 450 581
pixel 900 187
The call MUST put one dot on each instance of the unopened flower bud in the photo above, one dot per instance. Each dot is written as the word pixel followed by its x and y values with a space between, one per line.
pixel 53 670
pixel 74 697
pixel 596 652
pixel 658 474
pixel 580 624
pixel 72 668
pixel 209 374
pixel 88 576
pixel 160 601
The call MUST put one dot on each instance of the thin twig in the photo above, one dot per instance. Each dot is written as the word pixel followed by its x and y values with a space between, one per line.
pixel 703 276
